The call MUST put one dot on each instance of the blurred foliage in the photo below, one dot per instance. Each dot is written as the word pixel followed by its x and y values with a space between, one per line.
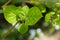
pixel 1 11
pixel 15 11
pixel 15 2
pixel 3 1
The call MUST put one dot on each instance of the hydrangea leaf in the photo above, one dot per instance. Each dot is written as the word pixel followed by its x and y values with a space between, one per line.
pixel 22 28
pixel 33 16
pixel 9 14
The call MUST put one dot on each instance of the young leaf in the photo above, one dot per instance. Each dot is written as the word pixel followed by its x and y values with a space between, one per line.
pixel 23 12
pixel 25 9
pixel 57 20
pixel 22 28
pixel 9 14
pixel 48 16
pixel 33 16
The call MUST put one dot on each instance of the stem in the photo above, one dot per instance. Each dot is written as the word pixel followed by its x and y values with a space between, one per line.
pixel 6 3
pixel 8 32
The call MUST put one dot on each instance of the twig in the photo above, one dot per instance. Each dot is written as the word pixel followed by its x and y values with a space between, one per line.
pixel 8 32
pixel 6 3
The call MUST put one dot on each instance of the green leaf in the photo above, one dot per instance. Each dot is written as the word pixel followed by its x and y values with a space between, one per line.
pixel 48 16
pixel 22 28
pixel 10 14
pixel 33 16
pixel 23 12
pixel 25 9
